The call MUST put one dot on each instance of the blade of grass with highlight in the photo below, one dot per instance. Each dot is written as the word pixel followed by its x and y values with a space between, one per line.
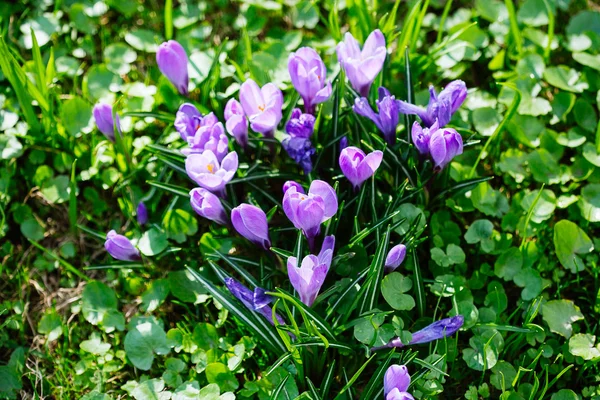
pixel 168 19
pixel 369 292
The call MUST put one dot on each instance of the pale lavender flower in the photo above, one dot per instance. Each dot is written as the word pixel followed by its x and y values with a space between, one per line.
pixel 262 106
pixel 308 75
pixel 358 166
pixel 387 117
pixel 251 222
pixel 141 213
pixel 173 63
pixel 120 247
pixel 444 145
pixel 362 66
pixel 209 136
pixel 103 115
pixel 236 122
pixel 207 172
pixel 395 257
pixel 255 300
pixel 289 184
pixel 438 330
pixel 208 205
pixel 440 107
pixel 187 120
pixel 396 382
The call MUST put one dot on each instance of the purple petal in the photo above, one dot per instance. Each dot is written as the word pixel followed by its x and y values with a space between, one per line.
pixel 326 192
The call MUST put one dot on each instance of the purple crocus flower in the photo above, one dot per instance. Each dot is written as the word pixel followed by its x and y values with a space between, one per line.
pixel 120 247
pixel 362 66
pixel 395 257
pixel 422 136
pixel 358 166
pixel 308 279
pixel 206 171
pixel 262 106
pixel 297 143
pixel 441 107
pixel 251 222
pixel 103 115
pixel 236 122
pixel 141 213
pixel 300 125
pixel 308 74
pixel 343 143
pixel 396 382
pixel 209 136
pixel 173 63
pixel 388 116
pixel 444 145
pixel 438 330
pixel 308 211
pixel 255 301
pixel 208 206
pixel 290 184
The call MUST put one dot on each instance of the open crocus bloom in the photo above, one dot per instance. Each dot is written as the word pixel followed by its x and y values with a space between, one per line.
pixel 205 170
pixel 358 166
pixel 210 136
pixel 362 66
pixel 308 211
pixel 387 117
pixel 396 382
pixel 308 279
pixel 262 106
pixel 440 107
pixel 308 75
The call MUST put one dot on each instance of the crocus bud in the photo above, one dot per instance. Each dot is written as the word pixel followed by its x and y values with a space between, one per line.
pixel 308 211
pixel 362 66
pixel 187 120
pixel 396 382
pixel 236 122
pixel 444 145
pixel 251 222
pixel 308 279
pixel 300 125
pixel 440 107
pixel 141 213
pixel 120 247
pixel 104 120
pixel 422 136
pixel 343 143
pixel 357 166
pixel 395 257
pixel 208 206
pixel 173 63
pixel 255 301
pixel 387 117
pixel 262 106
pixel 308 75
pixel 290 184
pixel 438 330
pixel 206 171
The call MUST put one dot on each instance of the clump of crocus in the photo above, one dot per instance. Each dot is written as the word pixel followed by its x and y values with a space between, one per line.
pixel 262 106
pixel 440 107
pixel 103 115
pixel 309 277
pixel 396 382
pixel 308 211
pixel 210 136
pixel 141 213
pixel 172 61
pixel 297 142
pixel 207 172
pixel 358 166
pixel 251 222
pixel 308 74
pixel 236 122
pixel 387 117
pixel 362 66
pixel 395 257
pixel 256 300
pixel 438 330
pixel 208 206
pixel 120 247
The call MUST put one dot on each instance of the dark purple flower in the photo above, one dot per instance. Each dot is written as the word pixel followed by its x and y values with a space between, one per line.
pixel 388 116
pixel 173 63
pixel 120 247
pixel 308 211
pixel 103 115
pixel 255 301
pixel 358 166
pixel 396 382
pixel 309 277
pixel 141 213
pixel 395 257
pixel 441 107
pixel 438 330
pixel 262 106
pixel 444 145
pixel 300 125
pixel 236 122
pixel 308 75
pixel 290 184
pixel 362 66
pixel 206 171
pixel 343 143
pixel 251 222
pixel 422 136
pixel 300 150
pixel 208 205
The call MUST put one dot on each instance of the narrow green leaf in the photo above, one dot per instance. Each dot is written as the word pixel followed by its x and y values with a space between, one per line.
pixel 354 378
pixel 73 199
pixel 514 26
pixel 377 378
pixel 178 190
